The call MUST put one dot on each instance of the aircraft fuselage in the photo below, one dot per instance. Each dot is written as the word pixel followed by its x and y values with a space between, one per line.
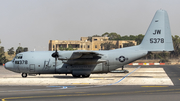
pixel 43 63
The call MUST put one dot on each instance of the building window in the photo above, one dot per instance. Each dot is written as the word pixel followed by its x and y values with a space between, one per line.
pixel 95 46
pixel 77 46
pixel 95 39
pixel 88 46
pixel 81 46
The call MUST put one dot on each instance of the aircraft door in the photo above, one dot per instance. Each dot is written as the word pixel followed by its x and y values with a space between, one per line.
pixel 32 68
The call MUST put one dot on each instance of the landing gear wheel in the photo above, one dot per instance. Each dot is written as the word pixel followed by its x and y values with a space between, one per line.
pixel 85 76
pixel 24 75
pixel 76 76
pixel 126 71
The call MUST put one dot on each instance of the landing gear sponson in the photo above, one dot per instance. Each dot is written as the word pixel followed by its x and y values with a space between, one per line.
pixel 24 75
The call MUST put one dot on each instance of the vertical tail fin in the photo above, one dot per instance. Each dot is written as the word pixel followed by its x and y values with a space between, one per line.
pixel 158 36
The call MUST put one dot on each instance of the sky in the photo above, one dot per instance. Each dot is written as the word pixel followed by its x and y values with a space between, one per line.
pixel 32 23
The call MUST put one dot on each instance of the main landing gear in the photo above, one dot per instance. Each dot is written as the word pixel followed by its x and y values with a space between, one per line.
pixel 24 75
pixel 124 71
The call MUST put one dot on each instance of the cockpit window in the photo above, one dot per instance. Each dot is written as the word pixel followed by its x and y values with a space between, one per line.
pixel 19 56
pixel 13 60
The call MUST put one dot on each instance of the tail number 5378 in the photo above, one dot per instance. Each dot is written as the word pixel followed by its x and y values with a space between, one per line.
pixel 156 40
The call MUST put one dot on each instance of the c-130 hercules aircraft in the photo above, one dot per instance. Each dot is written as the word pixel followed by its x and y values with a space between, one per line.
pixel 83 63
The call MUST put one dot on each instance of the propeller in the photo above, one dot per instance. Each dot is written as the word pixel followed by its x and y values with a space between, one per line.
pixel 55 55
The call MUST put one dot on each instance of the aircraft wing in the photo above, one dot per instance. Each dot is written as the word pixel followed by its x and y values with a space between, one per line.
pixel 88 54
pixel 80 57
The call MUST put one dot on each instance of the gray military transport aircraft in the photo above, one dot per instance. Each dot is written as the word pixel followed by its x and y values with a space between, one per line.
pixel 83 63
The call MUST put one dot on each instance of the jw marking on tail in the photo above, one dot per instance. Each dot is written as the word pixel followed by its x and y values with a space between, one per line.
pixel 157 32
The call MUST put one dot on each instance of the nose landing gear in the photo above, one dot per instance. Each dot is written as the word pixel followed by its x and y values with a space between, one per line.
pixel 24 75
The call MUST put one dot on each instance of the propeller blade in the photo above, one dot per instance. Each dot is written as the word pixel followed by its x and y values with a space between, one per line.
pixel 55 55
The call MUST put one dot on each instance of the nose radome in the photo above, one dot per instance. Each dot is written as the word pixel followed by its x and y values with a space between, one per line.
pixel 9 65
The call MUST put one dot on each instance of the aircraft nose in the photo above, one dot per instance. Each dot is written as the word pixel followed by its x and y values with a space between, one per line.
pixel 9 65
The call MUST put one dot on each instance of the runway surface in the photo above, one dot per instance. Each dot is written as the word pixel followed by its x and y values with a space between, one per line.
pixel 106 91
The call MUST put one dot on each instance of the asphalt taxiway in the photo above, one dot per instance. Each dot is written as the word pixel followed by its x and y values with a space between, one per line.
pixel 111 90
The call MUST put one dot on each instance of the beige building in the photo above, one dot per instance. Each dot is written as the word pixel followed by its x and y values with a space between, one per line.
pixel 86 43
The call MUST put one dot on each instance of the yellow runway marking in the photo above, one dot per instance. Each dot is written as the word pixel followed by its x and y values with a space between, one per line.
pixel 80 83
pixel 154 86
pixel 95 94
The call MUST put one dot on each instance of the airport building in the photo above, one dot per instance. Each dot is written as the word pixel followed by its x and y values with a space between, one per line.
pixel 87 43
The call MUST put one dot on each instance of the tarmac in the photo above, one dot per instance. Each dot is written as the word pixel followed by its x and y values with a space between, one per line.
pixel 136 76
pixel 150 83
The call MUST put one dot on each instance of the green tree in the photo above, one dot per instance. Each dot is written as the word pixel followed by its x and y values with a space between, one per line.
pixel 108 46
pixel 11 51
pixel 176 44
pixel 67 49
pixel 114 36
pixel 125 37
pixel 128 44
pixel 1 49
pixel 139 38
pixel 132 37
pixel 61 48
pixel 25 49
pixel 105 34
pixel 19 50
pixel 3 59
pixel 70 48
